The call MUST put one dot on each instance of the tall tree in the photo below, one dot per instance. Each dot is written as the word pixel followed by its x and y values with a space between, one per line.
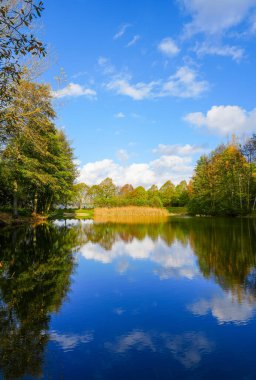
pixel 249 152
pixel 37 157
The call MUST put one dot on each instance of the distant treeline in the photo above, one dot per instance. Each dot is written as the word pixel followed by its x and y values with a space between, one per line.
pixel 107 194
pixel 224 183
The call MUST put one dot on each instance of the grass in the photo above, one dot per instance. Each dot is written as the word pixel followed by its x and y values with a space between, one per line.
pixel 74 213
pixel 130 214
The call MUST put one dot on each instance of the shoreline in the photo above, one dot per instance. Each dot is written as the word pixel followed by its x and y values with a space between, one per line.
pixel 6 219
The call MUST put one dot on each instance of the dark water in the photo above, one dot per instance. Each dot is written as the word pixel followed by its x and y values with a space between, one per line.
pixel 174 300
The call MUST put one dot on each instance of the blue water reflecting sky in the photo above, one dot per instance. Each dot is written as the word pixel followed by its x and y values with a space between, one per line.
pixel 141 308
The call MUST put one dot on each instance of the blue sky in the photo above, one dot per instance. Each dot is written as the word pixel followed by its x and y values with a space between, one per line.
pixel 151 85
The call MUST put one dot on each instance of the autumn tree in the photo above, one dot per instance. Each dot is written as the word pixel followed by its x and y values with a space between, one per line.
pixel 219 184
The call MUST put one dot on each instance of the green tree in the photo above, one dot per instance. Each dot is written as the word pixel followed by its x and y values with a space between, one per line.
pixel 166 193
pixel 139 196
pixel 37 158
pixel 181 196
pixel 108 188
pixel 154 199
pixel 249 152
pixel 80 195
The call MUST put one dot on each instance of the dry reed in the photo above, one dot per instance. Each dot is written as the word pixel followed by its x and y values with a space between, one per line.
pixel 130 214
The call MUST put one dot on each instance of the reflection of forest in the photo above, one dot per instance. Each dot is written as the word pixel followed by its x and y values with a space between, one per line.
pixel 225 248
pixel 36 263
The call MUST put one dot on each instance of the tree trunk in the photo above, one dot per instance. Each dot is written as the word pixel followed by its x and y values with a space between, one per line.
pixel 254 204
pixel 48 205
pixel 35 202
pixel 15 199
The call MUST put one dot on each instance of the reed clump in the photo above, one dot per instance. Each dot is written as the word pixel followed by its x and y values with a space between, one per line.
pixel 130 214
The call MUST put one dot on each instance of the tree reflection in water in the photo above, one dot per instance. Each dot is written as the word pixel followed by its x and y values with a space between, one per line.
pixel 225 248
pixel 36 264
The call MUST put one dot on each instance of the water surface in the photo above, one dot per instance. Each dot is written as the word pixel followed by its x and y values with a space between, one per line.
pixel 174 300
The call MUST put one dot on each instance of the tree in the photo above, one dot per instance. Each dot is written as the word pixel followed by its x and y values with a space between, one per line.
pixel 249 152
pixel 108 188
pixel 181 194
pixel 16 40
pixel 80 195
pixel 219 185
pixel 94 195
pixel 154 199
pixel 139 196
pixel 37 157
pixel 126 189
pixel 166 193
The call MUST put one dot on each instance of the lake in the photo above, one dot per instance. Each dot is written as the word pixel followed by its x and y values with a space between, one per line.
pixel 168 300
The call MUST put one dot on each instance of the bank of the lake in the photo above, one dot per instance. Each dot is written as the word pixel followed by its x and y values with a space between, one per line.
pixel 129 214
pixel 7 219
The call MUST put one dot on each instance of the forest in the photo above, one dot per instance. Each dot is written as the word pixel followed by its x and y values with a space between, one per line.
pixel 224 183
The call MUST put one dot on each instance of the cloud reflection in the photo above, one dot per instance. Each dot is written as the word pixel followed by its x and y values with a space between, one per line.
pixel 136 340
pixel 69 341
pixel 177 260
pixel 187 348
pixel 225 308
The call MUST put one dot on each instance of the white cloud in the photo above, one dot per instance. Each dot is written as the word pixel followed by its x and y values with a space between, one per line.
pixel 138 91
pixel 224 120
pixel 225 309
pixel 214 17
pixel 121 31
pixel 133 41
pixel 236 53
pixel 74 90
pixel 168 47
pixel 183 84
pixel 119 115
pixel 158 171
pixel 183 150
pixel 106 65
pixel 122 155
